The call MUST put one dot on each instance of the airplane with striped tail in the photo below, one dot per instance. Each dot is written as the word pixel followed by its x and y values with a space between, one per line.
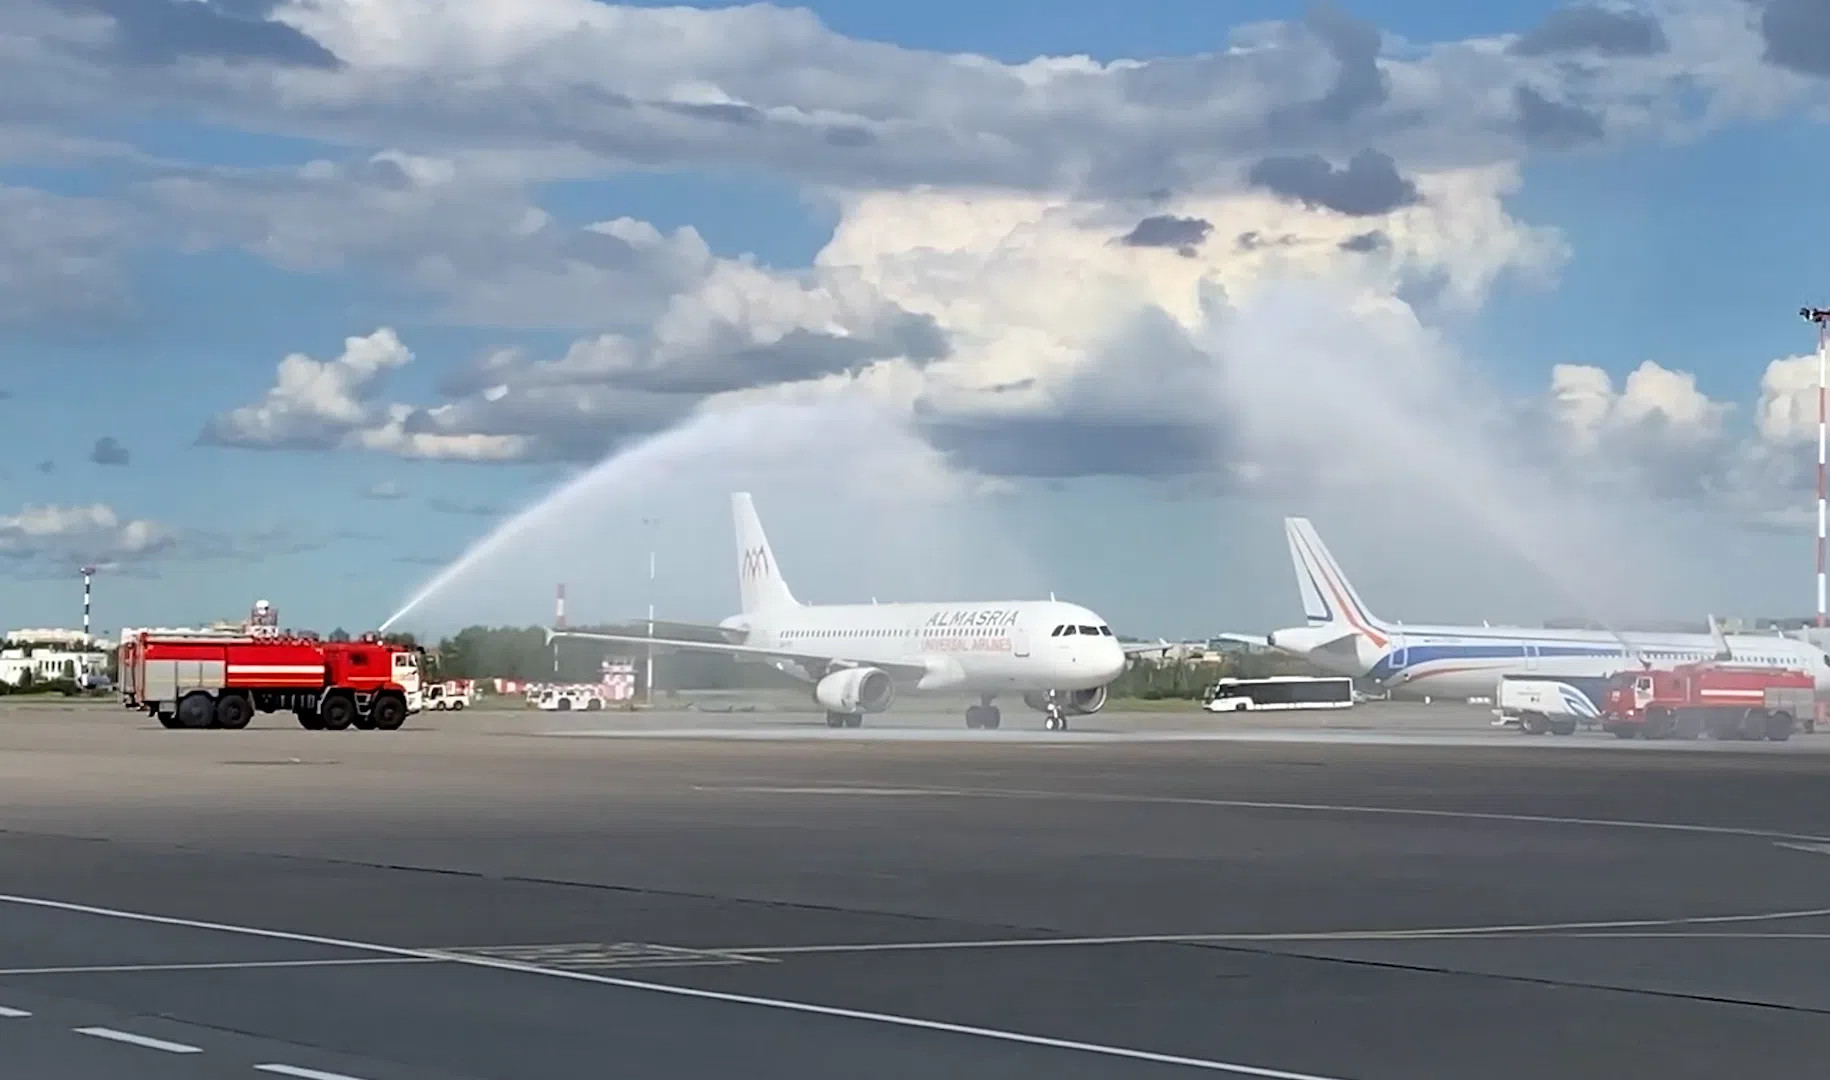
pixel 1343 636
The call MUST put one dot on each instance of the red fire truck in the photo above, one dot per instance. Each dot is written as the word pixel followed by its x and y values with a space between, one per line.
pixel 203 679
pixel 1727 701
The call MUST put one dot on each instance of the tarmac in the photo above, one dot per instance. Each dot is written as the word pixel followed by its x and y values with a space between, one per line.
pixel 1385 892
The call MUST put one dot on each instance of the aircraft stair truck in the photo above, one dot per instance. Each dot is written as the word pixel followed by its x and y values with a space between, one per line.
pixel 221 680
pixel 1541 704
pixel 1727 701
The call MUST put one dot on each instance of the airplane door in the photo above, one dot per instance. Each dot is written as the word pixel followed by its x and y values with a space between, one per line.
pixel 1019 641
pixel 1531 658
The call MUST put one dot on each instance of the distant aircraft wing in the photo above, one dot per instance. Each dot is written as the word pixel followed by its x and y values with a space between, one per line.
pixel 1246 639
pixel 908 669
pixel 1137 648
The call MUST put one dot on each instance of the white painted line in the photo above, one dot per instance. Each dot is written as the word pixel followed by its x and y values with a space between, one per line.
pixel 1815 849
pixel 139 1040
pixel 1393 811
pixel 304 1074
pixel 234 965
pixel 1433 933
pixel 684 991
pixel 12 1014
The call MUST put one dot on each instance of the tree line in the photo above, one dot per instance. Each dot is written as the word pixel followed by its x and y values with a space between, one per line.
pixel 1188 678
pixel 523 654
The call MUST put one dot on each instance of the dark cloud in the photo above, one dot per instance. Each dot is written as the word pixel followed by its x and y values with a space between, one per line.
pixel 109 451
pixel 46 466
pixel 162 32
pixel 1370 184
pixel 1355 43
pixel 1375 240
pixel 615 363
pixel 1554 124
pixel 1797 34
pixel 1589 28
pixel 1252 240
pixel 1184 234
pixel 1070 446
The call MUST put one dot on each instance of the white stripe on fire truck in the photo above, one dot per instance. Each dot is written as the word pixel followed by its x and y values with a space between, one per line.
pixel 277 669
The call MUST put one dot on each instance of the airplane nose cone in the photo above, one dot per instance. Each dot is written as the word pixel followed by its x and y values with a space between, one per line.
pixel 1113 662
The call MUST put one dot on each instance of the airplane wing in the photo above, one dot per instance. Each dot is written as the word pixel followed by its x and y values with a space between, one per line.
pixel 909 669
pixel 1138 648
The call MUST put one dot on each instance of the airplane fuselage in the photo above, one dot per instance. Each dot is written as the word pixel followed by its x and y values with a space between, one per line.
pixel 980 647
pixel 1466 661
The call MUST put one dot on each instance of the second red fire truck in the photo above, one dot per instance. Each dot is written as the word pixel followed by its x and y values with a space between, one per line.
pixel 1725 700
pixel 205 679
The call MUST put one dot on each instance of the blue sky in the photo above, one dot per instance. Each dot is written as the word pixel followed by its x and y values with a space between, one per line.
pixel 505 257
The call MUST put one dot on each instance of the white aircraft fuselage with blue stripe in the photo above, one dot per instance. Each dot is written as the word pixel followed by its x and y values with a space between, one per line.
pixel 1343 636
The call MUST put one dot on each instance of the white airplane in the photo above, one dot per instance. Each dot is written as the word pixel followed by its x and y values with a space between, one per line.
pixel 1060 657
pixel 1343 636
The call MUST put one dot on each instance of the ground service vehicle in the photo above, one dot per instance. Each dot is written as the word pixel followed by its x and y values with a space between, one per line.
pixel 451 694
pixel 1542 704
pixel 205 679
pixel 1278 692
pixel 1727 701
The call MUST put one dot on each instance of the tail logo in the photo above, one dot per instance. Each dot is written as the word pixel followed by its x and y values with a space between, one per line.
pixel 755 563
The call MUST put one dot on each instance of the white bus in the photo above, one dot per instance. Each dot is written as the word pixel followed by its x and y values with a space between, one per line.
pixel 1279 692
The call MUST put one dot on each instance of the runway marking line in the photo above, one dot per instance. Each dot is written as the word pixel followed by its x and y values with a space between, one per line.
pixel 303 1074
pixel 779 1004
pixel 145 1041
pixel 12 1014
pixel 1420 934
pixel 227 965
pixel 1339 808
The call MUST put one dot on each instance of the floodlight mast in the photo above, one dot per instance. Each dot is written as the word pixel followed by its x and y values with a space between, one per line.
pixel 1821 317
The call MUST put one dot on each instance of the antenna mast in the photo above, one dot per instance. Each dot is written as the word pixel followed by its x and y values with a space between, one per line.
pixel 1820 316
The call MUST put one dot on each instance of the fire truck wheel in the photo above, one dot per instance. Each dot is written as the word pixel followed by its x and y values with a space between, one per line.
pixel 233 711
pixel 1779 726
pixel 364 723
pixel 388 712
pixel 337 712
pixel 168 720
pixel 196 710
pixel 309 719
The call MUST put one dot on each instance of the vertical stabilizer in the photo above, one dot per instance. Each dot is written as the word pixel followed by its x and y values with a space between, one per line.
pixel 759 579
pixel 1329 599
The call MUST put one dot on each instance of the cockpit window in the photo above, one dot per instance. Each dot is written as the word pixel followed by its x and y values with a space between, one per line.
pixel 1104 630
pixel 1056 632
pixel 1066 630
pixel 1090 631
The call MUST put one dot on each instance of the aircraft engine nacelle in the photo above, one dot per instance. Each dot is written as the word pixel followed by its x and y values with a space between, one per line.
pixel 1078 702
pixel 855 690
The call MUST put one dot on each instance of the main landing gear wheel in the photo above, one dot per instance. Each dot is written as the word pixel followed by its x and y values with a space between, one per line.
pixel 844 720
pixel 983 716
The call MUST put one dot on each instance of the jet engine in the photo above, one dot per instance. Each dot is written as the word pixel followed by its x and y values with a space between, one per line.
pixel 1077 702
pixel 855 690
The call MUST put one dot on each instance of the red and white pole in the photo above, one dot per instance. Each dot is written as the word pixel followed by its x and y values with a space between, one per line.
pixel 559 608
pixel 1821 316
